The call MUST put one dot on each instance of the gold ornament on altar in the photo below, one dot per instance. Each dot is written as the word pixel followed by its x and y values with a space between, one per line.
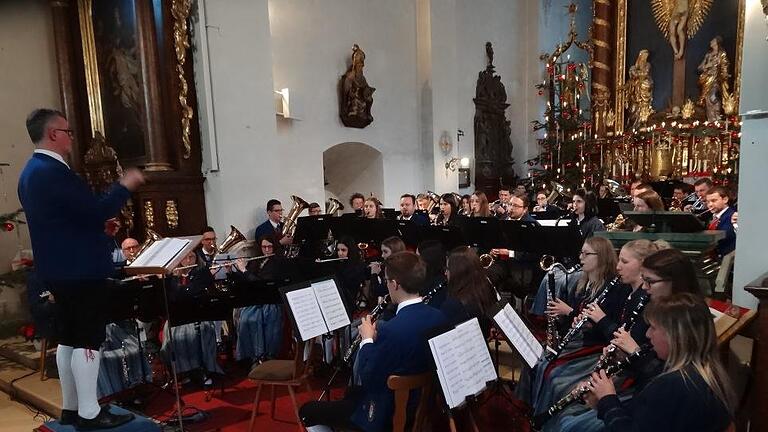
pixel 713 81
pixel 639 90
pixel 689 109
pixel 679 20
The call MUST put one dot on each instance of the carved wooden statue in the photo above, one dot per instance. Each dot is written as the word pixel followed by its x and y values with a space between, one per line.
pixel 493 146
pixel 356 95
pixel 713 81
pixel 679 20
pixel 639 90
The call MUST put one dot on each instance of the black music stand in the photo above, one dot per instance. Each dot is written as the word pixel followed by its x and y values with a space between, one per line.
pixel 560 241
pixel 450 236
pixel 364 229
pixel 409 232
pixel 483 233
pixel 160 259
pixel 666 221
pixel 311 232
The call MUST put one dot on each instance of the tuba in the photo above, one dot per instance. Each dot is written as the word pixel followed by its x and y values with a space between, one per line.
pixel 234 238
pixel 434 199
pixel 152 237
pixel 615 189
pixel 289 222
pixel 332 206
pixel 558 190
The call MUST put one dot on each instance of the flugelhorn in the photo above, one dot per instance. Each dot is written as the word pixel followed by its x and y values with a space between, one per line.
pixel 234 238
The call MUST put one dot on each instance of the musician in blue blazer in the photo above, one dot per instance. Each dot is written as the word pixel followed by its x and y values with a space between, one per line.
pixel 718 205
pixel 397 347
pixel 408 211
pixel 72 256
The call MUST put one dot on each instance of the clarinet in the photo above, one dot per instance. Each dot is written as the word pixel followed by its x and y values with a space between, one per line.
pixel 578 393
pixel 356 343
pixel 552 353
pixel 431 293
pixel 607 356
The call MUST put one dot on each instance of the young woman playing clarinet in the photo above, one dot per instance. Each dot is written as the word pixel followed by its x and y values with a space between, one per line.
pixel 691 394
pixel 659 275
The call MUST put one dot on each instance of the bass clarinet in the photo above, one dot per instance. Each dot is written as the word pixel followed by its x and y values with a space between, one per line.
pixel 577 394
pixel 548 264
pixel 607 356
pixel 552 353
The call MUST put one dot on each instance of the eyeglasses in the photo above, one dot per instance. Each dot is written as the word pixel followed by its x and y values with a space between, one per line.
pixel 582 253
pixel 267 246
pixel 69 132
pixel 650 281
pixel 277 210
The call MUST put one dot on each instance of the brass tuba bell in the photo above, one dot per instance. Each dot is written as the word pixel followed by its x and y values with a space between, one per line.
pixel 332 206
pixel 152 237
pixel 289 223
pixel 558 190
pixel 234 237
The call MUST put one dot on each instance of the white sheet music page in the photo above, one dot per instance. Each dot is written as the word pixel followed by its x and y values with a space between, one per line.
pixel 330 304
pixel 477 366
pixel 519 335
pixel 306 312
pixel 160 253
pixel 445 351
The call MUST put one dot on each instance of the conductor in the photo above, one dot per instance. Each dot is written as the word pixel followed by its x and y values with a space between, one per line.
pixel 72 258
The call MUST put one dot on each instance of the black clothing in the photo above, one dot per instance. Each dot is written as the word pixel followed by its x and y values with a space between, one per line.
pixel 612 305
pixel 80 312
pixel 589 226
pixel 671 402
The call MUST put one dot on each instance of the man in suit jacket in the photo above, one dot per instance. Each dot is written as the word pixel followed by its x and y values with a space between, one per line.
pixel 73 258
pixel 408 211
pixel 717 202
pixel 397 347
pixel 274 224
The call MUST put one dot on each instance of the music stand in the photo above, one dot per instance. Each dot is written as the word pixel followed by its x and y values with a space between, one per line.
pixel 562 241
pixel 666 221
pixel 311 232
pixel 409 232
pixel 160 259
pixel 483 233
pixel 364 229
pixel 450 236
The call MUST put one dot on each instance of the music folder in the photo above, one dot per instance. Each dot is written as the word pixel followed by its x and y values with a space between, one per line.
pixel 517 333
pixel 316 307
pixel 163 255
pixel 464 365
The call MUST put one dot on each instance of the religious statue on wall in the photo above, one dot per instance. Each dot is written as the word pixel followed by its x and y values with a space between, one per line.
pixel 713 80
pixel 639 91
pixel 679 20
pixel 356 96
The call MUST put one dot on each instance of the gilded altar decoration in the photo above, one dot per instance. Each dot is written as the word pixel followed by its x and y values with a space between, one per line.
pixel 171 214
pixel 688 109
pixel 679 20
pixel 180 10
pixel 356 96
pixel 102 169
pixel 149 214
pixel 713 81
pixel 639 91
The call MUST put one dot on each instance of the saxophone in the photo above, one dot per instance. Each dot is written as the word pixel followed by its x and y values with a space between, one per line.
pixel 607 357
pixel 552 353
pixel 578 393
pixel 548 264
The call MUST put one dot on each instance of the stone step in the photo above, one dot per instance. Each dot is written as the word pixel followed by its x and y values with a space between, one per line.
pixel 24 384
pixel 18 350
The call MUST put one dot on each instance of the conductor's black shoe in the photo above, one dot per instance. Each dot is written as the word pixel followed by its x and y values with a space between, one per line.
pixel 68 417
pixel 105 420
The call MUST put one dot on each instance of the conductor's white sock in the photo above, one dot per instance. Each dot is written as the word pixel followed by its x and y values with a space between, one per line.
pixel 319 428
pixel 66 379
pixel 85 368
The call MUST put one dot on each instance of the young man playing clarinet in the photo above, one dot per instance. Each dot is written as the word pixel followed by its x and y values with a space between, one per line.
pixel 399 348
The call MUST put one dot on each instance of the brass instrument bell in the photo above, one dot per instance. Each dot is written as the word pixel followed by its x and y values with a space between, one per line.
pixel 152 237
pixel 234 238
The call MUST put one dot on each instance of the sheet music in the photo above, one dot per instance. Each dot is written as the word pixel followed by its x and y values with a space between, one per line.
pixel 464 364
pixel 332 307
pixel 306 312
pixel 160 253
pixel 519 335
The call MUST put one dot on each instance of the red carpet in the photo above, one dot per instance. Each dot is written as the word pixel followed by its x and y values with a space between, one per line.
pixel 230 411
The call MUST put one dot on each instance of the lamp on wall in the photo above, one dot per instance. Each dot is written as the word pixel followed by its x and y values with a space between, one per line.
pixel 455 162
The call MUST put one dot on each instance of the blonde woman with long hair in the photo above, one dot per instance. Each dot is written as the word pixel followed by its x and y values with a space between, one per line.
pixel 692 393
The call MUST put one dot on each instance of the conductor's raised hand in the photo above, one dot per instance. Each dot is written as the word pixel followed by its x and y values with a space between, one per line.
pixel 132 178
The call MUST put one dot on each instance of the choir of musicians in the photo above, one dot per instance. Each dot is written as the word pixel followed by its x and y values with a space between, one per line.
pixel 681 369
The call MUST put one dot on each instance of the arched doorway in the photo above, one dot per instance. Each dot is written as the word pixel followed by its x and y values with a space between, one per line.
pixel 353 167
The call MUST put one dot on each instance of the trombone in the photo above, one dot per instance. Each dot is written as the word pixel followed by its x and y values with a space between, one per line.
pixel 226 263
